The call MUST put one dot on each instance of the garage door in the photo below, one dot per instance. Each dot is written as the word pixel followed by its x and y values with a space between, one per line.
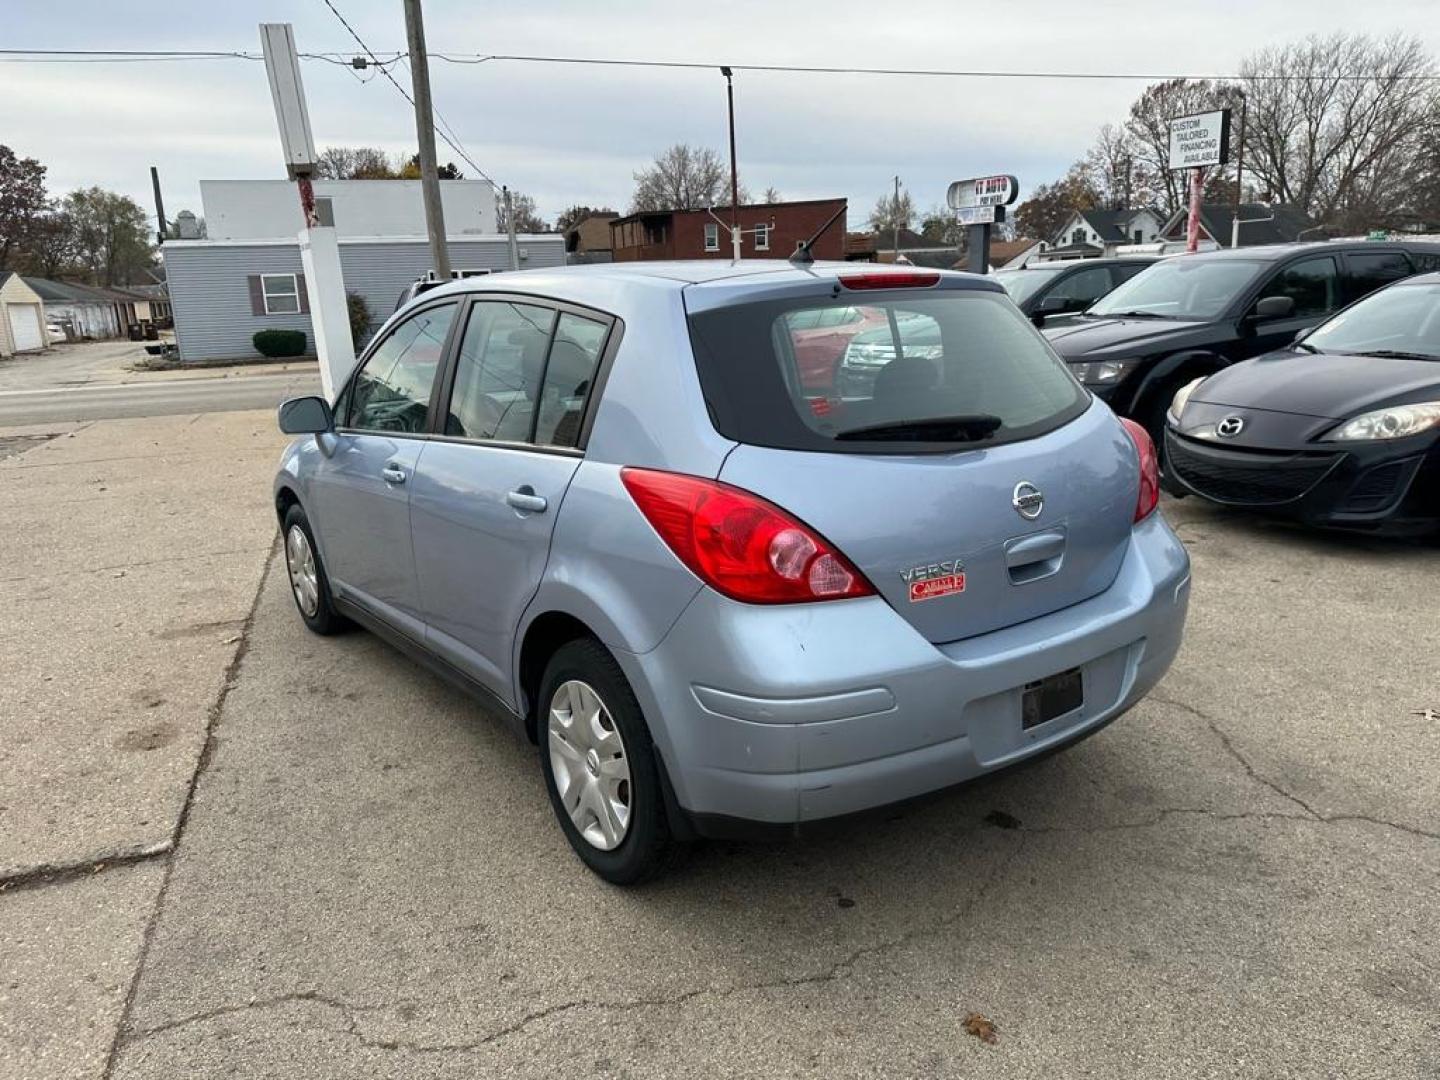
pixel 25 326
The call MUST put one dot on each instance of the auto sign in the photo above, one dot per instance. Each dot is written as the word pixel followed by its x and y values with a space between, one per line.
pixel 982 191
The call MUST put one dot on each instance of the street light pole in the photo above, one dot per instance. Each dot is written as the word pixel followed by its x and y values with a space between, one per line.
pixel 425 136
pixel 734 171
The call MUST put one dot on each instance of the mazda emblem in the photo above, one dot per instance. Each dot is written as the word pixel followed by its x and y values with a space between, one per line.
pixel 1230 427
pixel 1027 500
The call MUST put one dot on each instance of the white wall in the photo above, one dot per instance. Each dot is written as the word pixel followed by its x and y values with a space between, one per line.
pixel 270 209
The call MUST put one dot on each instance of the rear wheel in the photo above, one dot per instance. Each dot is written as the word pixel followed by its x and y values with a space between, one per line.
pixel 600 766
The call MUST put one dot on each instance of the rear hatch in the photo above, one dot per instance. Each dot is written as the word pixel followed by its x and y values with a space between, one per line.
pixel 968 476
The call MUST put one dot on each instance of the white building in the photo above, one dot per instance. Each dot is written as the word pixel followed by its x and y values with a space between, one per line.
pixel 1089 234
pixel 268 209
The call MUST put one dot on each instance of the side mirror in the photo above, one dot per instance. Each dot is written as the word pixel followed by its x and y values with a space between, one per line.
pixel 1274 307
pixel 305 416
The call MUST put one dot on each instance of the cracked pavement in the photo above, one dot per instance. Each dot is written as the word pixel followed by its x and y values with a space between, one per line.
pixel 1241 878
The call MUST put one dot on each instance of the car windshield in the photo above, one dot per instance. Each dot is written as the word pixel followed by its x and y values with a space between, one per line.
pixel 1181 287
pixel 930 367
pixel 1400 319
pixel 1023 284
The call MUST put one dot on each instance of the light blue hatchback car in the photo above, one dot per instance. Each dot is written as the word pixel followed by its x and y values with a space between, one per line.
pixel 657 516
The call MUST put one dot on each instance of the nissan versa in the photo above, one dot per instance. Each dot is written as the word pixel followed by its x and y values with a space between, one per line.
pixel 716 593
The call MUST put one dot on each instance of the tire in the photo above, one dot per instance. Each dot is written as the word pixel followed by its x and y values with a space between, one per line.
pixel 310 591
pixel 617 826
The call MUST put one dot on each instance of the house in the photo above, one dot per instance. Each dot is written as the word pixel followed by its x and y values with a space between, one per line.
pixel 247 275
pixel 1090 234
pixel 79 310
pixel 588 240
pixel 265 209
pixel 909 246
pixel 22 316
pixel 1013 254
pixel 1260 223
pixel 223 291
pixel 770 231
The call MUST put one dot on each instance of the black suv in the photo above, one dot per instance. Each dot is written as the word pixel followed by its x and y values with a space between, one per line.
pixel 1190 315
pixel 1050 291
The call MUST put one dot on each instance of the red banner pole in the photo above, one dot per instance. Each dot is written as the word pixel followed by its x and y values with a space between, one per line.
pixel 1192 228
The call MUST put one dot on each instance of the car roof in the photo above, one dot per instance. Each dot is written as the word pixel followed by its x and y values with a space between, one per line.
pixel 1065 264
pixel 1276 252
pixel 1432 278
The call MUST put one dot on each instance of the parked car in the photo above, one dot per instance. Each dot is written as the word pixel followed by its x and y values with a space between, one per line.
pixel 1053 293
pixel 602 500
pixel 1340 429
pixel 820 337
pixel 55 334
pixel 1191 315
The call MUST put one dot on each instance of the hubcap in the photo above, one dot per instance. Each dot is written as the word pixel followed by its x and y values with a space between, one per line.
pixel 304 579
pixel 592 773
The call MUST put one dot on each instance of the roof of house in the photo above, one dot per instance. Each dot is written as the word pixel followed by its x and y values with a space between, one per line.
pixel 1259 223
pixel 1111 224
pixel 1002 251
pixel 870 243
pixel 66 291
pixel 722 210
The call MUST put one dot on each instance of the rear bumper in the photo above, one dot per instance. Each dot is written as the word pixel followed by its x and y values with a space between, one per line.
pixel 792 714
pixel 1390 485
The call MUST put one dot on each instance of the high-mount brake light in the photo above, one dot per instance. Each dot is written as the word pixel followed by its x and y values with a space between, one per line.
pixel 739 544
pixel 899 279
pixel 1149 496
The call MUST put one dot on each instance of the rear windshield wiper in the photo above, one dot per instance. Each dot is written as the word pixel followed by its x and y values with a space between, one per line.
pixel 1399 354
pixel 973 427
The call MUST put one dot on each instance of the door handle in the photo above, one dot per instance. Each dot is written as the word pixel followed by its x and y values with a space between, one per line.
pixel 525 499
pixel 393 474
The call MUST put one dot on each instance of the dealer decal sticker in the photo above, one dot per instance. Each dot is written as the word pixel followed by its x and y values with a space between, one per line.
pixel 944 578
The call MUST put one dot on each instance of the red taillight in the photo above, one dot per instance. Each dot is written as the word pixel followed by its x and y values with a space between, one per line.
pixel 1149 469
pixel 898 279
pixel 739 544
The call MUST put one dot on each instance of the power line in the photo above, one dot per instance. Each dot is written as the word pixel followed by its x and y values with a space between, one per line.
pixel 440 130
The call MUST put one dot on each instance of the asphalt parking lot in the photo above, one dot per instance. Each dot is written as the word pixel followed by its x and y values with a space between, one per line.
pixel 1239 878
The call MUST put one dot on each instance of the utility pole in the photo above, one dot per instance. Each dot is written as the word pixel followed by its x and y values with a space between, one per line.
pixel 510 228
pixel 159 204
pixel 734 170
pixel 1239 172
pixel 425 135
pixel 895 220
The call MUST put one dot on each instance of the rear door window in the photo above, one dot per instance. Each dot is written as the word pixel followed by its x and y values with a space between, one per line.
pixel 569 377
pixel 1313 284
pixel 1367 271
pixel 926 370
pixel 1082 288
pixel 498 372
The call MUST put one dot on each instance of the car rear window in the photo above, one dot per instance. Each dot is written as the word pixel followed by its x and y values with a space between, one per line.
pixel 912 370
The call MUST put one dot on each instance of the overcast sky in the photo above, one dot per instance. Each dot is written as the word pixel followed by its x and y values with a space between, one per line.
pixel 573 134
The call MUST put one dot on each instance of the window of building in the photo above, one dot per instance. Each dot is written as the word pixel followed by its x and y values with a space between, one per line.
pixel 762 237
pixel 1078 236
pixel 392 391
pixel 712 236
pixel 325 210
pixel 1138 236
pixel 281 293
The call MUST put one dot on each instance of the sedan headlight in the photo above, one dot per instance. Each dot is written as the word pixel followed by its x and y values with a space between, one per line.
pixel 1396 422
pixel 1182 396
pixel 1102 372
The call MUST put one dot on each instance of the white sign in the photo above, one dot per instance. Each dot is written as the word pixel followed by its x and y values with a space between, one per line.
pixel 980 215
pixel 982 191
pixel 282 65
pixel 1200 140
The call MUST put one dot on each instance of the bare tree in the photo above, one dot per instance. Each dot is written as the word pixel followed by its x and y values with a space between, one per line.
pixel 1340 136
pixel 770 196
pixel 890 211
pixel 355 163
pixel 1147 137
pixel 523 207
pixel 684 177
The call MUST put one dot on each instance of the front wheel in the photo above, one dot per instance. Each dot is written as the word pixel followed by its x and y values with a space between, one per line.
pixel 309 584
pixel 600 766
